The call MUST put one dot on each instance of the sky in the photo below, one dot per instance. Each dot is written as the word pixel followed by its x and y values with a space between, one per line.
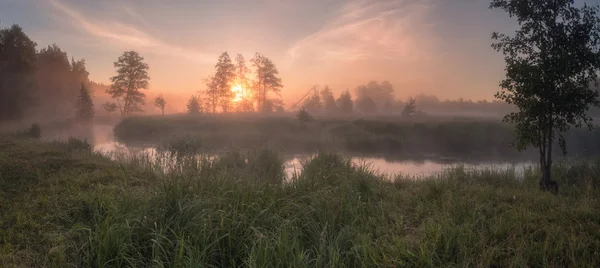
pixel 439 47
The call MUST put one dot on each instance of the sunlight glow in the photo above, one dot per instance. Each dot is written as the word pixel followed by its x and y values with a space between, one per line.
pixel 238 92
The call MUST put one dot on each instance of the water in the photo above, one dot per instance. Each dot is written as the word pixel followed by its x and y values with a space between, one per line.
pixel 409 168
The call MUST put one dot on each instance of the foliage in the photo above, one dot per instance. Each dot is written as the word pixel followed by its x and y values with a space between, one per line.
pixel 85 106
pixel 193 105
pixel 409 108
pixel 550 63
pixel 303 116
pixel 110 107
pixel 327 100
pixel 18 89
pixel 238 209
pixel 35 131
pixel 160 103
pixel 241 70
pixel 345 103
pixel 223 80
pixel 132 76
pixel 366 105
pixel 374 96
pixel 312 103
pixel 266 81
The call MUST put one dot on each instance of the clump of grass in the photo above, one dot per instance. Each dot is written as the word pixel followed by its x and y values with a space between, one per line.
pixel 61 207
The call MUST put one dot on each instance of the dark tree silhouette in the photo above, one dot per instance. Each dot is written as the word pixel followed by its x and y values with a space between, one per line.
pixel 110 107
pixel 366 105
pixel 18 88
pixel 84 105
pixel 160 103
pixel 241 71
pixel 345 103
pixel 327 100
pixel 550 63
pixel 267 80
pixel 193 105
pixel 224 78
pixel 409 108
pixel 131 78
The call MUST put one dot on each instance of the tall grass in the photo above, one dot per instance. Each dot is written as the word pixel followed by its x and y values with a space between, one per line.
pixel 64 207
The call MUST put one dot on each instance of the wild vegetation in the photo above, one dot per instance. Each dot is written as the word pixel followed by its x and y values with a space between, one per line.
pixel 393 137
pixel 63 205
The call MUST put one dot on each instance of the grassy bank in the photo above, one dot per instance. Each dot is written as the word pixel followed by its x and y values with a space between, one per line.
pixel 64 206
pixel 393 137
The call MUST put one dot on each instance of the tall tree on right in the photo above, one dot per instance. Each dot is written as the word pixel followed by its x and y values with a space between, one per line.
pixel 132 77
pixel 551 61
pixel 267 80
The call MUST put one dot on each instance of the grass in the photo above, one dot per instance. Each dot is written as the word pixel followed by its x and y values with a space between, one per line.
pixel 392 137
pixel 63 206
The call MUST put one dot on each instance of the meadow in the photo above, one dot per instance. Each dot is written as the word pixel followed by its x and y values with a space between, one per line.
pixel 62 205
pixel 394 137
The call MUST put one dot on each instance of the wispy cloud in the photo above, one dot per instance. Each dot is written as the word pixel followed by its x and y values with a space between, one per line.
pixel 368 29
pixel 126 35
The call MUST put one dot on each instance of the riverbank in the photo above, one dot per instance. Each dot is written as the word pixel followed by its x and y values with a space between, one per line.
pixel 395 138
pixel 62 205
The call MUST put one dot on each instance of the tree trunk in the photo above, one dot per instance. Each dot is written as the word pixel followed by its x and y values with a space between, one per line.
pixel 546 182
pixel 163 111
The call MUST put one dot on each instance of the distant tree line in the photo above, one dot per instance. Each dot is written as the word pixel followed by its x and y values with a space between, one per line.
pixel 40 81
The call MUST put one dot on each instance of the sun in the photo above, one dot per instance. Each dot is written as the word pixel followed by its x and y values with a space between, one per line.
pixel 238 92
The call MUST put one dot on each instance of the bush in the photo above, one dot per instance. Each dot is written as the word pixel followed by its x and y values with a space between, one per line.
pixel 303 116
pixel 35 131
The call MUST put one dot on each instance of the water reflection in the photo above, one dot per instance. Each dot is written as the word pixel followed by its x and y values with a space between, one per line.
pixel 293 163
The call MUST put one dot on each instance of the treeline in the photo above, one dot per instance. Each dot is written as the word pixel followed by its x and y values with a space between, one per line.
pixel 235 87
pixel 40 82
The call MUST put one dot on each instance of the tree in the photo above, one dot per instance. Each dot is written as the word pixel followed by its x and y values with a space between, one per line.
pixel 193 105
pixel 312 103
pixel 345 103
pixel 366 105
pixel 132 76
pixel 267 80
pixel 409 108
pixel 84 105
pixel 212 93
pixel 110 107
pixel 224 76
pixel 379 94
pixel 18 88
pixel 328 102
pixel 550 63
pixel 245 104
pixel 160 103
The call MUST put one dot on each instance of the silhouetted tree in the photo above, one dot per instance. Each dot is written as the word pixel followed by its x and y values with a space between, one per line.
pixel 409 108
pixel 110 107
pixel 132 76
pixel 212 93
pixel 245 104
pixel 379 94
pixel 303 115
pixel 84 105
pixel 193 105
pixel 223 80
pixel 550 63
pixel 327 100
pixel 18 88
pixel 345 103
pixel 312 103
pixel 267 80
pixel 160 103
pixel 366 105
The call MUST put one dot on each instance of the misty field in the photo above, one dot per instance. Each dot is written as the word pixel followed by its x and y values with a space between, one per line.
pixel 393 137
pixel 62 205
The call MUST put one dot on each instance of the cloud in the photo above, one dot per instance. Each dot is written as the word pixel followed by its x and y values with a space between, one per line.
pixel 126 35
pixel 367 29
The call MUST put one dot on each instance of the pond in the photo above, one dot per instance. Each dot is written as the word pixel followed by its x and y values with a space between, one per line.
pixel 411 168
